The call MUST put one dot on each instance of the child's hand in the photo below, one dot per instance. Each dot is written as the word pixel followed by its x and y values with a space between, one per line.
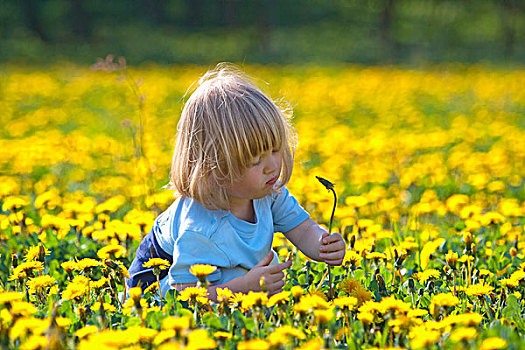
pixel 273 275
pixel 332 249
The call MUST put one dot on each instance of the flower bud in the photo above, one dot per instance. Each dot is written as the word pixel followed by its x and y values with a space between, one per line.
pixel 262 284
pixel 14 258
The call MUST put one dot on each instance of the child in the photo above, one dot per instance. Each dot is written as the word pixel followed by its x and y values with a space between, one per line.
pixel 233 156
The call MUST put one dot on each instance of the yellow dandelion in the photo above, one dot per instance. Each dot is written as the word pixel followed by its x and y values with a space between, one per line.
pixel 297 291
pixel 85 331
pixel 26 269
pixel 376 256
pixel 451 258
pixel 40 283
pixel 200 339
pixel 99 284
pixel 193 294
pixel 164 335
pixel 223 335
pixel 9 297
pixel 493 343
pixel 324 316
pixel 107 307
pixel 253 344
pixel 111 251
pixel 445 299
pixel 424 276
pixel 282 336
pixel 361 294
pixel 87 263
pixel 279 298
pixel 13 202
pixel 425 339
pixel 463 334
pixel 69 266
pixel 162 264
pixel 479 289
pixel 352 258
pixel 176 323
pixel 76 288
pixel 35 342
pixel 346 302
pixel 202 270
pixel 135 293
pixel 23 308
pixel 33 252
pixel 428 249
pixel 223 295
pixel 254 299
pixel 348 285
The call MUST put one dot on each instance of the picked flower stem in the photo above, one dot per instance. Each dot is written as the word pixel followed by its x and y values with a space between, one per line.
pixel 330 187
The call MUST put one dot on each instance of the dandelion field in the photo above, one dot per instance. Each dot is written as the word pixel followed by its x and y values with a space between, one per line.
pixel 428 167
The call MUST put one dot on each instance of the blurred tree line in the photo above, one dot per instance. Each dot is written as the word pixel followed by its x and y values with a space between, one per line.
pixel 281 31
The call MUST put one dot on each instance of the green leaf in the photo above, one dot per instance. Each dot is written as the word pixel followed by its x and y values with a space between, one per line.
pixel 212 321
pixel 374 286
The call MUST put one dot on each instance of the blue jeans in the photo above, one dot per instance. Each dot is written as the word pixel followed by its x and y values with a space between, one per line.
pixel 148 248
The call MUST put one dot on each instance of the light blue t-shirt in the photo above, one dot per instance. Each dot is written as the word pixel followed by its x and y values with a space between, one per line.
pixel 196 235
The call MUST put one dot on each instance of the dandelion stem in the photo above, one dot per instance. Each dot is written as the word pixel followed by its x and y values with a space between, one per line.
pixel 330 187
pixel 160 293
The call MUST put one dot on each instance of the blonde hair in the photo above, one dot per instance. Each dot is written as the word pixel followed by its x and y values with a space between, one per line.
pixel 226 123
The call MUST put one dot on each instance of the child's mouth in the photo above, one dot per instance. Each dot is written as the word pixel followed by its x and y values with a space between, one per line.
pixel 272 181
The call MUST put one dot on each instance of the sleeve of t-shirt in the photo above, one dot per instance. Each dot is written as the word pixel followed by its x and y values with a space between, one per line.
pixel 195 248
pixel 286 211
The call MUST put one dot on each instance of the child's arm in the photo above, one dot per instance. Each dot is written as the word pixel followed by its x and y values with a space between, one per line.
pixel 273 279
pixel 314 241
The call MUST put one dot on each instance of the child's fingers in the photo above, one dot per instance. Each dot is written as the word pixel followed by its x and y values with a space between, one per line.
pixel 278 267
pixel 276 276
pixel 334 237
pixel 332 247
pixel 275 287
pixel 334 256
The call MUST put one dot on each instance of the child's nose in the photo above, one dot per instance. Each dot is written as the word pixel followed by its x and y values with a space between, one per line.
pixel 273 163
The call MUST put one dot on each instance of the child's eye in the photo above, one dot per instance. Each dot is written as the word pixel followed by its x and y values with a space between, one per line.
pixel 256 162
pixel 275 150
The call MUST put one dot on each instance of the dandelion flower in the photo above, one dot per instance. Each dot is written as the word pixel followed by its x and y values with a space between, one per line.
pixel 346 302
pixel 283 335
pixel 376 256
pixel 23 308
pixel 194 294
pixel 224 295
pixel 202 270
pixel 479 289
pixel 324 316
pixel 87 263
pixel 25 270
pixel 463 334
pixel 253 344
pixel 110 251
pixel 494 343
pixel 200 339
pixel 253 299
pixel 40 283
pixel 224 335
pixel 162 264
pixel 428 249
pixel 176 323
pixel 279 298
pixel 85 331
pixel 428 274
pixel 9 297
pixel 33 252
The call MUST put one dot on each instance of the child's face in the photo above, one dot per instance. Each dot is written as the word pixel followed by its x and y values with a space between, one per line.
pixel 258 180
